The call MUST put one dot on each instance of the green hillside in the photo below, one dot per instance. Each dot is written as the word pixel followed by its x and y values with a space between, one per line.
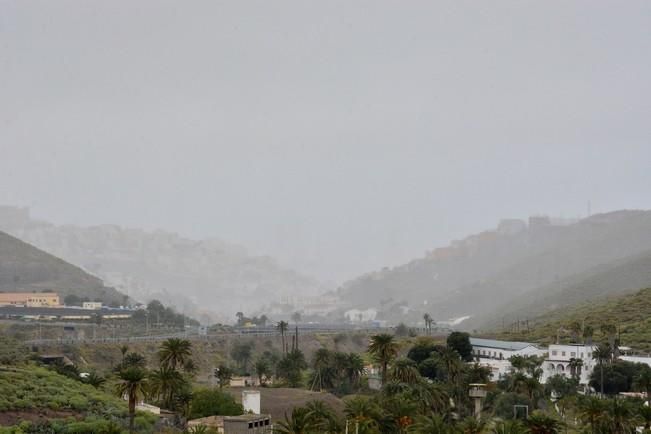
pixel 621 277
pixel 630 313
pixel 23 267
pixel 35 398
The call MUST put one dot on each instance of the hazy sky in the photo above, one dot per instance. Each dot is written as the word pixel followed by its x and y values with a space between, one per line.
pixel 337 136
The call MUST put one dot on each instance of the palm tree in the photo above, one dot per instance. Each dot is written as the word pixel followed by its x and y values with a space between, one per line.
pixel 643 381
pixel 94 380
pixel 282 328
pixel 354 368
pixel 404 371
pixel 644 412
pixel 298 423
pixel 610 331
pixel 575 367
pixel 321 417
pixel 362 412
pixel 575 329
pixel 131 384
pixel 240 318
pixel 133 360
pixel 384 349
pixel 588 332
pixel 433 424
pixel 541 423
pixel 471 425
pixel 590 411
pixel 124 349
pixel 601 354
pixel 510 427
pixel 621 417
pixel 324 373
pixel 164 383
pixel 175 352
pixel 428 323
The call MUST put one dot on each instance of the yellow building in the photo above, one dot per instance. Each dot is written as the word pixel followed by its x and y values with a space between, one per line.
pixel 30 299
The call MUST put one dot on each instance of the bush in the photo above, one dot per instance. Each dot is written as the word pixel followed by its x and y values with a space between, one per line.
pixel 209 402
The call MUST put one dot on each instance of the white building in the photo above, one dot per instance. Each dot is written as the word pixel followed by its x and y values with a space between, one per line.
pixel 92 305
pixel 495 354
pixel 559 357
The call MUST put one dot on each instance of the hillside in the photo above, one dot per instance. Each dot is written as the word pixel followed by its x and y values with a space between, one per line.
pixel 631 313
pixel 39 396
pixel 479 275
pixel 194 275
pixel 617 278
pixel 23 267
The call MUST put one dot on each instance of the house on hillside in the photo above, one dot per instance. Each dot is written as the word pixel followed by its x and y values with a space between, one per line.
pixel 569 360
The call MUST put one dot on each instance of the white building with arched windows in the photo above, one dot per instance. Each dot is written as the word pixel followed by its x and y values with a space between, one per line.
pixel 569 360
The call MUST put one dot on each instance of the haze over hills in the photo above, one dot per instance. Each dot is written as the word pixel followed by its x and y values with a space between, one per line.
pixel 215 275
pixel 23 267
pixel 480 275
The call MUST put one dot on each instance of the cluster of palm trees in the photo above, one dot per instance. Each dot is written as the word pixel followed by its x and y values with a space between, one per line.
pixel 169 384
pixel 336 371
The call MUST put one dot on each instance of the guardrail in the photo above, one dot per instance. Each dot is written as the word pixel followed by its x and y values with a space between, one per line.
pixel 240 333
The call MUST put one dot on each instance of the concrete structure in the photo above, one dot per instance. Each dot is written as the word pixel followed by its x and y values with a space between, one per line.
pixel 559 361
pixel 94 305
pixel 244 424
pixel 29 299
pixel 251 401
pixel 477 392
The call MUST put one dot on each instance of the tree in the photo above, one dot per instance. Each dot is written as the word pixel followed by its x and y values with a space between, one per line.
pixel 241 353
pixel 460 342
pixel 362 412
pixel 164 383
pixel 575 366
pixel 263 320
pixel 262 370
pixel 208 402
pixel 131 384
pixel 576 330
pixel 282 328
pixel 94 380
pixel 422 351
pixel 321 417
pixel 175 352
pixel 404 371
pixel 240 318
pixel 223 374
pixel 588 333
pixel 291 366
pixel 590 411
pixel 433 424
pixel 296 317
pixel 428 323
pixel 384 349
pixel 72 300
pixel 540 423
pixel 298 423
pixel 354 368
pixel 324 371
pixel 601 354
pixel 642 381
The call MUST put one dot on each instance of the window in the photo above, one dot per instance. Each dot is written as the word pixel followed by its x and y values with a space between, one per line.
pixel 266 421
pixel 563 353
pixel 250 424
pixel 572 354
pixel 554 353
